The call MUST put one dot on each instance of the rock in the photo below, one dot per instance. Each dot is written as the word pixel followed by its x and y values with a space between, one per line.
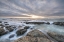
pixel 26 27
pixel 1 24
pixel 11 36
pixel 5 22
pixel 34 36
pixel 56 23
pixel 58 37
pixel 0 21
pixel 59 23
pixel 33 39
pixel 19 26
pixel 21 32
pixel 2 31
pixel 34 22
pixel 13 26
pixel 47 23
pixel 36 33
pixel 9 28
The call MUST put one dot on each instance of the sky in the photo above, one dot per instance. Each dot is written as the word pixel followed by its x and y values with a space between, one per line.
pixel 32 8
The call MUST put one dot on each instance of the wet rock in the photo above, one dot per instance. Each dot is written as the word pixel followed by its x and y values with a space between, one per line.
pixel 36 33
pixel 34 22
pixel 19 26
pixel 11 36
pixel 47 23
pixel 58 37
pixel 0 21
pixel 1 24
pixel 26 27
pixel 59 23
pixel 13 26
pixel 9 28
pixel 33 39
pixel 2 31
pixel 34 36
pixel 21 32
pixel 5 22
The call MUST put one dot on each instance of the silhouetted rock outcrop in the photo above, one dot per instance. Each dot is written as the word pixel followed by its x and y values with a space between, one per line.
pixel 59 23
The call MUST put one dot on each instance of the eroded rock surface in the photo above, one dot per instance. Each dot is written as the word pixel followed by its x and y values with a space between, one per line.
pixel 34 36
pixel 2 31
pixel 56 36
pixel 21 32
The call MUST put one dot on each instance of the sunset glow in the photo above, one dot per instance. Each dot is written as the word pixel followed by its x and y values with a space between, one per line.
pixel 34 16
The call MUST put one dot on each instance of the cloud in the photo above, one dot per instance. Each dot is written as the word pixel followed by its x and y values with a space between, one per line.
pixel 32 7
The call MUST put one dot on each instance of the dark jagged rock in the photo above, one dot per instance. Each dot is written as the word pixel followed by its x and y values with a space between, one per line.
pixel 11 36
pixel 9 28
pixel 5 22
pixel 21 32
pixel 13 26
pixel 1 24
pixel 26 27
pixel 58 37
pixel 34 22
pixel 59 23
pixel 34 36
pixel 0 21
pixel 47 23
pixel 2 31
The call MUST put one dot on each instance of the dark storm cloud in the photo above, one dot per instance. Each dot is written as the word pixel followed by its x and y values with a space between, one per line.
pixel 35 7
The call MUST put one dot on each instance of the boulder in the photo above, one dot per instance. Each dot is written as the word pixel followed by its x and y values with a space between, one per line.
pixel 13 26
pixel 2 31
pixel 56 36
pixel 1 24
pixel 5 22
pixel 21 32
pixel 33 39
pixel 0 21
pixel 9 28
pixel 11 36
pixel 34 36
pixel 26 27
pixel 36 33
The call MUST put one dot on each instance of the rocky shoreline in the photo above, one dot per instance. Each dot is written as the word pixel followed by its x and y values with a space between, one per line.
pixel 38 36
pixel 32 36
